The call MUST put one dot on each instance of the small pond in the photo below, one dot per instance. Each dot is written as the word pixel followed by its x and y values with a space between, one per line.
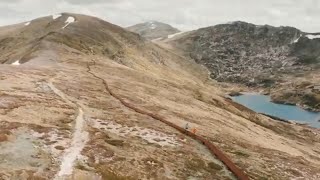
pixel 262 104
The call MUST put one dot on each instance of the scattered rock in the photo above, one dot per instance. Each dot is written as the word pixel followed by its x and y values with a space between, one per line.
pixel 101 135
pixel 235 93
pixel 241 153
pixel 50 142
pixel 115 142
pixel 3 137
pixel 294 172
pixel 214 166
pixel 35 164
pixel 59 147
pixel 157 139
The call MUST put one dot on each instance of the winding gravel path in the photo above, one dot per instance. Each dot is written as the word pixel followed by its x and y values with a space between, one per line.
pixel 79 139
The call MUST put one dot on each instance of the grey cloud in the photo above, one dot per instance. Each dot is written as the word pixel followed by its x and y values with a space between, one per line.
pixel 184 14
pixel 90 1
pixel 9 1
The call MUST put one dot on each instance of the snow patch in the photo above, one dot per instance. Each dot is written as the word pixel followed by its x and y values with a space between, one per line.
pixel 152 25
pixel 69 21
pixel 158 39
pixel 55 16
pixel 311 36
pixel 27 23
pixel 296 40
pixel 16 63
pixel 175 34
pixel 150 135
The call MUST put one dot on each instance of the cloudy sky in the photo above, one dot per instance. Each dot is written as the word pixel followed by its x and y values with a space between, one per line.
pixel 183 14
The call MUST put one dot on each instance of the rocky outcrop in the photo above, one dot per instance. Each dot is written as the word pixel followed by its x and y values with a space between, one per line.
pixel 256 56
pixel 305 95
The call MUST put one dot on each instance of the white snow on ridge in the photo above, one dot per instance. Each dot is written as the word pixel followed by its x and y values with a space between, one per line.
pixel 311 36
pixel 152 25
pixel 173 35
pixel 55 16
pixel 296 40
pixel 27 23
pixel 16 63
pixel 69 21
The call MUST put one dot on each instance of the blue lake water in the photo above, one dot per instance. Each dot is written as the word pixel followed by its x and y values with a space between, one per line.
pixel 262 104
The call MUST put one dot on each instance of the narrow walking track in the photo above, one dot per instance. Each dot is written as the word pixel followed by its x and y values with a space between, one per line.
pixel 79 138
pixel 240 174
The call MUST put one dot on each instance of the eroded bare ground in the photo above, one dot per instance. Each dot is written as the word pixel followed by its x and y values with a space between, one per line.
pixel 38 126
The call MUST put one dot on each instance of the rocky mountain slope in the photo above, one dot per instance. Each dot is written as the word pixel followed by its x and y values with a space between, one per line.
pixel 153 30
pixel 257 56
pixel 65 89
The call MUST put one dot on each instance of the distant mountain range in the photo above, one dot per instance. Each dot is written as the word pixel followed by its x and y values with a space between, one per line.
pixel 153 30
pixel 259 56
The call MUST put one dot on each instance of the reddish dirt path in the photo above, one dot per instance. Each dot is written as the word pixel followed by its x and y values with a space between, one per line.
pixel 240 174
